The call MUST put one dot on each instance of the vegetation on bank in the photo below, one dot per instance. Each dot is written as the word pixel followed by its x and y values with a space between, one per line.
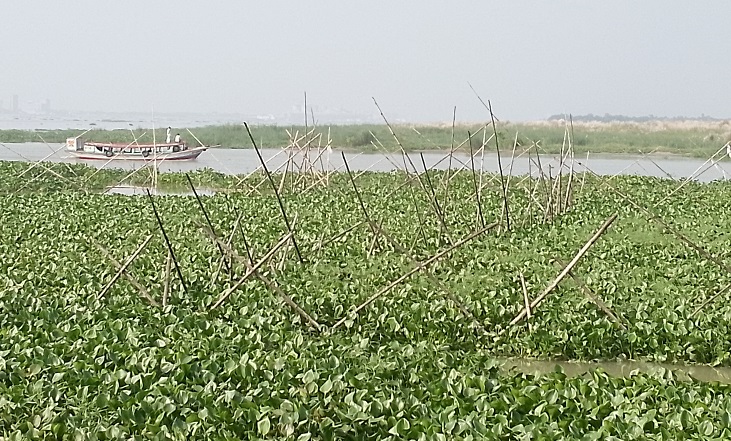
pixel 692 138
pixel 409 365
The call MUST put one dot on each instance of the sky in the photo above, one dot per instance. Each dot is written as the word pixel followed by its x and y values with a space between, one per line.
pixel 418 59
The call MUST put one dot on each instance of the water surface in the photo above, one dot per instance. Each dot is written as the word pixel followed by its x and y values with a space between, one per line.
pixel 242 161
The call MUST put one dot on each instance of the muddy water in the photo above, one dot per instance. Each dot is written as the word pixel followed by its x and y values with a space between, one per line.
pixel 623 368
pixel 242 161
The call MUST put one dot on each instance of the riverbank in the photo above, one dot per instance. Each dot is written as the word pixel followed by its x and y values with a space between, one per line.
pixel 685 138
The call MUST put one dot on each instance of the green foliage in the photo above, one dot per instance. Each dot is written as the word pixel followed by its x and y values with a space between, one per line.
pixel 689 139
pixel 410 366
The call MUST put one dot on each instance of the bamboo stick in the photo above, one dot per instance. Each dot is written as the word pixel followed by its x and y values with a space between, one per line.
pixel 453 297
pixel 568 268
pixel 500 166
pixel 321 244
pixel 421 265
pixel 712 298
pixel 279 199
pixel 594 297
pixel 435 201
pixel 123 267
pixel 141 289
pixel 689 178
pixel 251 268
pixel 208 219
pixel 360 202
pixel 166 291
pixel 655 218
pixel 167 241
pixel 219 266
pixel 474 181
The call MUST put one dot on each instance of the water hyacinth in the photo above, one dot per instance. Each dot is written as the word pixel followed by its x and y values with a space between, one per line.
pixel 412 364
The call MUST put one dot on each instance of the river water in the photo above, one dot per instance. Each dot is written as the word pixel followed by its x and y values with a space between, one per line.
pixel 242 161
pixel 624 368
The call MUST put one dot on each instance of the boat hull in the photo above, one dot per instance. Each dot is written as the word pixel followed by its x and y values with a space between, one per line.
pixel 181 155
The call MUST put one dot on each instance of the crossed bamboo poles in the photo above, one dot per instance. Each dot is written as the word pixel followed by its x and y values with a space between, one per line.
pixel 557 200
pixel 252 268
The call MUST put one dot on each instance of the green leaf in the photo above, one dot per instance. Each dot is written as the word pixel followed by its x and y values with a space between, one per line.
pixel 706 428
pixel 263 426
pixel 326 386
pixel 309 377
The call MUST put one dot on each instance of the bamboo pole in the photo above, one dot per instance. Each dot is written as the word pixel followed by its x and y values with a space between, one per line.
pixel 251 268
pixel 46 170
pixel 594 297
pixel 712 298
pixel 474 181
pixel 421 265
pixel 449 166
pixel 279 199
pixel 167 241
pixel 543 182
pixel 290 302
pixel 208 219
pixel 123 267
pixel 37 163
pixel 655 218
pixel 219 266
pixel 453 297
pixel 259 167
pixel 322 243
pixel 569 186
pixel 437 208
pixel 360 202
pixel 141 289
pixel 68 166
pixel 500 167
pixel 689 178
pixel 166 291
pixel 537 301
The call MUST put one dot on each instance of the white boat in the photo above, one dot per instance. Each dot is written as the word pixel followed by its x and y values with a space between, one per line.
pixel 169 151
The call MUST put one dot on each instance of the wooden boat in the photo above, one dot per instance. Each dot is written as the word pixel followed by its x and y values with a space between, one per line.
pixel 171 151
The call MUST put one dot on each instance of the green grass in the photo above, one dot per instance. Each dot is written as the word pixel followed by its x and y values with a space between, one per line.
pixel 689 139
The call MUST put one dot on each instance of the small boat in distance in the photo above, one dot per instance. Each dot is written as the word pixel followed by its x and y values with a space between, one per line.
pixel 169 151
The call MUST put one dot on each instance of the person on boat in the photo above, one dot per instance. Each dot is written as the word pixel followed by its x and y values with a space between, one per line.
pixel 177 138
pixel 167 138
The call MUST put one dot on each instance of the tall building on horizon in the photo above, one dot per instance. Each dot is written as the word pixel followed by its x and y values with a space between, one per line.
pixel 14 106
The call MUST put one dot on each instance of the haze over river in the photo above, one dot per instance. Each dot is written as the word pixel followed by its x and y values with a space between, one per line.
pixel 242 161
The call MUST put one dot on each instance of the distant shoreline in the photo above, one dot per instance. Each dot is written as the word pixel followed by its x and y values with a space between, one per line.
pixel 660 138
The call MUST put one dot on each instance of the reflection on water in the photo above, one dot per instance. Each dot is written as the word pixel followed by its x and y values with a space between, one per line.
pixel 624 368
pixel 242 161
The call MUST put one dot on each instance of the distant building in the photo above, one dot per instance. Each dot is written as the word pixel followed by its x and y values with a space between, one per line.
pixel 46 105
pixel 14 106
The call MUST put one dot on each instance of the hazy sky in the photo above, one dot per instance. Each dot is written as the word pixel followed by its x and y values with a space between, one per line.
pixel 532 59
